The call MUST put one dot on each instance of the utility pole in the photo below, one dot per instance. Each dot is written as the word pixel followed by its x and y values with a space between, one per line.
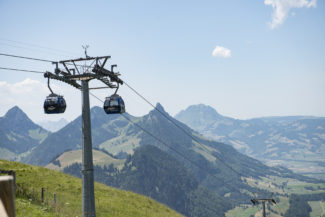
pixel 74 76
pixel 256 201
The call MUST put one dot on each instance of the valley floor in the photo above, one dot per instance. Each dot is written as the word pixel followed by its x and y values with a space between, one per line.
pixel 313 167
pixel 282 189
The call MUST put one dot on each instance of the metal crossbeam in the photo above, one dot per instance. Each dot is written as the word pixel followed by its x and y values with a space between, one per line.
pixel 60 78
pixel 99 72
pixel 85 59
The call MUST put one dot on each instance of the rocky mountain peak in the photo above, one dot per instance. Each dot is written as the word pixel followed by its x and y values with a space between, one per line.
pixel 15 114
pixel 158 109
pixel 204 109
pixel 199 113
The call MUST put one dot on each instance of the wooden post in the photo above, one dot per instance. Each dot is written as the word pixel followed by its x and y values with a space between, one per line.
pixel 10 173
pixel 54 198
pixel 13 173
pixel 42 195
pixel 7 196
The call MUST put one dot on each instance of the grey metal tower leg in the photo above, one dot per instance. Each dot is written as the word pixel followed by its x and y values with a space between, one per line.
pixel 88 196
pixel 264 214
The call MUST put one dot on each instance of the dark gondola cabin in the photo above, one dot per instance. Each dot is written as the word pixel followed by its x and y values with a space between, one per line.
pixel 114 104
pixel 54 104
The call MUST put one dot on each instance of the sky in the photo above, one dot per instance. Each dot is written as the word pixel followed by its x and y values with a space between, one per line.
pixel 246 59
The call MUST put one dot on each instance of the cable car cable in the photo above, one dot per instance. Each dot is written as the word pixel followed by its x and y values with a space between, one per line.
pixel 22 70
pixel 34 49
pixel 37 59
pixel 28 58
pixel 37 46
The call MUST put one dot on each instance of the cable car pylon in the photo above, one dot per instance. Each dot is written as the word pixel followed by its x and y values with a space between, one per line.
pixel 256 201
pixel 79 77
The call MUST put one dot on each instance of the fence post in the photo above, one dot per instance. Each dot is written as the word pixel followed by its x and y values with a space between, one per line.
pixel 7 196
pixel 42 195
pixel 54 198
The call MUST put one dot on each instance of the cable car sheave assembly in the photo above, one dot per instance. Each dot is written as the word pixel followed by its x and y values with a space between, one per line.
pixel 55 104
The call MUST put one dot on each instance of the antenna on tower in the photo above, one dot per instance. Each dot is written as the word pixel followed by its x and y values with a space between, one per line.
pixel 85 47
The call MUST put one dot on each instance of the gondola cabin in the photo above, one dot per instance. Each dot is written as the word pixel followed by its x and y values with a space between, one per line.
pixel 54 104
pixel 114 104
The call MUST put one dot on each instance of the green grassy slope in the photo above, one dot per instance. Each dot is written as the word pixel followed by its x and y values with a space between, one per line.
pixel 109 201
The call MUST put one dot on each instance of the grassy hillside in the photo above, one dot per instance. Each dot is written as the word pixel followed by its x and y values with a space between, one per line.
pixel 109 201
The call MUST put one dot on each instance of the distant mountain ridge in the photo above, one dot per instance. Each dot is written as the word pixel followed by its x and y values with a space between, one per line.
pixel 273 139
pixel 207 117
pixel 53 126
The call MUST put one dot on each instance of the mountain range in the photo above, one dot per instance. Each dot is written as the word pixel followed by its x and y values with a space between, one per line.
pixel 154 151
pixel 296 142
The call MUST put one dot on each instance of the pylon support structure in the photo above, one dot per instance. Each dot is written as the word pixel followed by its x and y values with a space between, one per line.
pixel 88 195
pixel 80 80
pixel 256 201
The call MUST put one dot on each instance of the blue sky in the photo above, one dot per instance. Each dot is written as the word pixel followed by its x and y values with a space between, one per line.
pixel 270 60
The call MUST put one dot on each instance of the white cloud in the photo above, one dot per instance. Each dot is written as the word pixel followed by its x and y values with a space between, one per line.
pixel 281 9
pixel 24 94
pixel 220 51
pixel 24 87
pixel 30 94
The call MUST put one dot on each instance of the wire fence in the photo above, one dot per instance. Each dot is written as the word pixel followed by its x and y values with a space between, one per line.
pixel 46 199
